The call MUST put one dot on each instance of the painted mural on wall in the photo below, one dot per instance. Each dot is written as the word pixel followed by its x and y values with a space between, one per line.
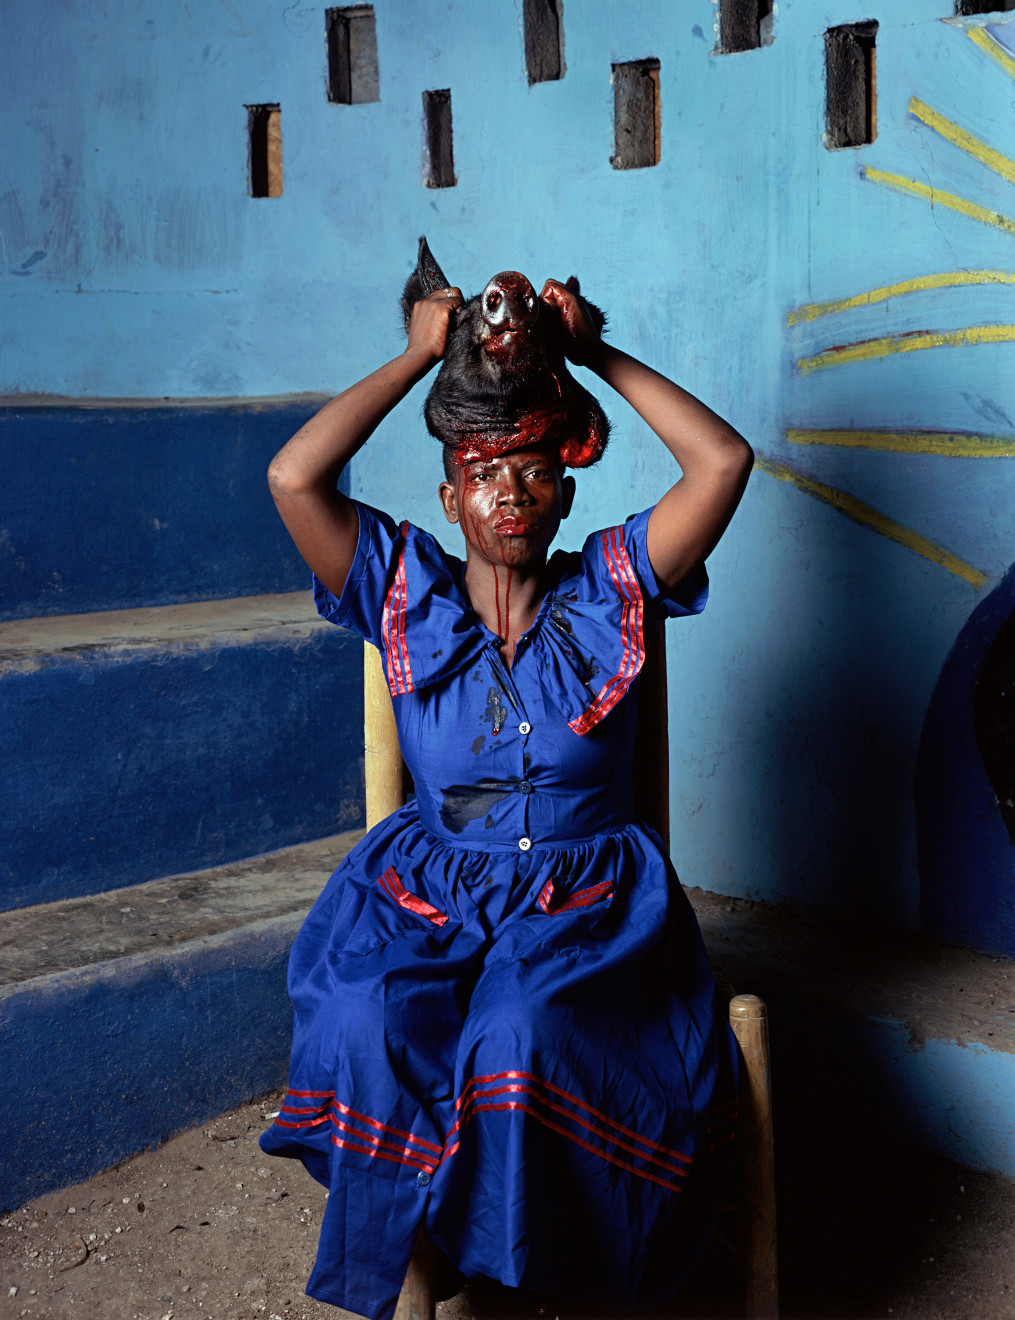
pixel 965 777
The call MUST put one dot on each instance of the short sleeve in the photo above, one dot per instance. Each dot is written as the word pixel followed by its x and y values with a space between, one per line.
pixel 379 546
pixel 690 596
pixel 606 602
pixel 405 596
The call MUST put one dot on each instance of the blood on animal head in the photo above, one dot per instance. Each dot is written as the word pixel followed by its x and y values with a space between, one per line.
pixel 504 382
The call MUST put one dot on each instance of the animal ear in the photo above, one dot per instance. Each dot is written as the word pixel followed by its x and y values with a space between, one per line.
pixel 597 315
pixel 427 278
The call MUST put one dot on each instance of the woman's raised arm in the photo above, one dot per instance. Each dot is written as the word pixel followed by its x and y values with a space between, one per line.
pixel 715 460
pixel 303 475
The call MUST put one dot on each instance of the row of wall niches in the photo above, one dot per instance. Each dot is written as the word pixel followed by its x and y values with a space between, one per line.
pixel 353 79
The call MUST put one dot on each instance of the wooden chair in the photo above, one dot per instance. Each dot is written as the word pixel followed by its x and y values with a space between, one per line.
pixel 387 783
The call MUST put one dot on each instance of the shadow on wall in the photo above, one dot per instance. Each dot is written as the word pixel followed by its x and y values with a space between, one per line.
pixel 966 765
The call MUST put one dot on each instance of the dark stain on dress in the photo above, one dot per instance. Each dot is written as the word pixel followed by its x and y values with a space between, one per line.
pixel 496 711
pixel 436 655
pixel 465 802
pixel 477 745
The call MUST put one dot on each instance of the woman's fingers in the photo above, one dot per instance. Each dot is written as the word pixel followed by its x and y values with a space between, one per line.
pixel 430 322
pixel 579 328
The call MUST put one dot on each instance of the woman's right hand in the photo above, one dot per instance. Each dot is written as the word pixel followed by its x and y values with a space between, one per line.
pixel 430 323
pixel 582 338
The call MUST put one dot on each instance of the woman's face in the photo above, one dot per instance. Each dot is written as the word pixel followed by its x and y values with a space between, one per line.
pixel 509 507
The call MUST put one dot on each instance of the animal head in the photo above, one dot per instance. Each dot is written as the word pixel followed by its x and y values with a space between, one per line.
pixel 504 381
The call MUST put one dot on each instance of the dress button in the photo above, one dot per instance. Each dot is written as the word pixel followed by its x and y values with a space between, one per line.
pixel 525 787
pixel 525 727
pixel 525 844
pixel 423 1179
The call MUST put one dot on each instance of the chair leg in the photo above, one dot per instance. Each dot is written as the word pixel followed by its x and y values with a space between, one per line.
pixel 749 1020
pixel 418 1298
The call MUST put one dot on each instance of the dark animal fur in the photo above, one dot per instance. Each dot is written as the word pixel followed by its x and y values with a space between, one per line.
pixel 480 394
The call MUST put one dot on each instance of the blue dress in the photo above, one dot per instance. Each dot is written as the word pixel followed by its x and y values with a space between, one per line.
pixel 504 1017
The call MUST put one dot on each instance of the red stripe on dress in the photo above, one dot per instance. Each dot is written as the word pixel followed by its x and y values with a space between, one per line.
pixel 479 1100
pixel 365 1118
pixel 513 1074
pixel 584 897
pixel 623 575
pixel 428 1161
pixel 395 683
pixel 555 1127
pixel 392 886
pixel 403 649
pixel 393 626
pixel 380 1154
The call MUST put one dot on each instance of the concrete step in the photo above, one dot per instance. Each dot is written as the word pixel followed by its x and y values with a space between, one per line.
pixel 142 743
pixel 156 503
pixel 130 1015
pixel 884 1034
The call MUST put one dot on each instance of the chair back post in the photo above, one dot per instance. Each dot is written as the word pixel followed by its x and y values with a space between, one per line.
pixel 384 773
pixel 756 1216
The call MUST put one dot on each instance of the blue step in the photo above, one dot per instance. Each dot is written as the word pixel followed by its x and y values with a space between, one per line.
pixel 143 743
pixel 113 505
pixel 131 1015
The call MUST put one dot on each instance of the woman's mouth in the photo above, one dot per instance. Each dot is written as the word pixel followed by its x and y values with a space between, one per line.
pixel 512 526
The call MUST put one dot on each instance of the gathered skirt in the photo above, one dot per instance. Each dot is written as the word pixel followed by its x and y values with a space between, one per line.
pixel 518 1051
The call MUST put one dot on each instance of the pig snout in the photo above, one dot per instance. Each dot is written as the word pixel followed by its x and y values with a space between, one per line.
pixel 509 303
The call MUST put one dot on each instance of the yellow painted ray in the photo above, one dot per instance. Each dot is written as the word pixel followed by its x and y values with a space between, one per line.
pixel 953 444
pixel 972 146
pixel 993 48
pixel 949 279
pixel 910 342
pixel 937 197
pixel 867 516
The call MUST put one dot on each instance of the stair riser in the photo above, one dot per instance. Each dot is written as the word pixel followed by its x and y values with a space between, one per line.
pixel 114 507
pixel 131 763
pixel 115 1058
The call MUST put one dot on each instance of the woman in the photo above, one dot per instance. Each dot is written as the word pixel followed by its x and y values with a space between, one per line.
pixel 504 1021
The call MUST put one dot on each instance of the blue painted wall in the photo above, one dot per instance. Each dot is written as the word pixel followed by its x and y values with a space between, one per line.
pixel 138 266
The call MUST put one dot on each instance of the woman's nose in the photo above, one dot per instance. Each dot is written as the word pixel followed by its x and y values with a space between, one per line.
pixel 513 489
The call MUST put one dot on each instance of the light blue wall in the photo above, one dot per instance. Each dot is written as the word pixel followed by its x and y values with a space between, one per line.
pixel 799 699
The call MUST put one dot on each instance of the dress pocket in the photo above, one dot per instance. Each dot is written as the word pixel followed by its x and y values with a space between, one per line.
pixel 553 903
pixel 393 887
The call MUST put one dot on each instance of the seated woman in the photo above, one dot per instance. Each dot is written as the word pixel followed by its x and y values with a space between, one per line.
pixel 504 1020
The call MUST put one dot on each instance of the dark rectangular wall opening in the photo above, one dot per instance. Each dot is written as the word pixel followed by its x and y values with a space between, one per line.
pixel 743 24
pixel 544 40
pixel 264 126
pixel 850 66
pixel 352 55
pixel 966 8
pixel 439 161
pixel 636 114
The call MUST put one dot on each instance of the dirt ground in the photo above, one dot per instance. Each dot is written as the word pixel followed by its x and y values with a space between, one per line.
pixel 207 1226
